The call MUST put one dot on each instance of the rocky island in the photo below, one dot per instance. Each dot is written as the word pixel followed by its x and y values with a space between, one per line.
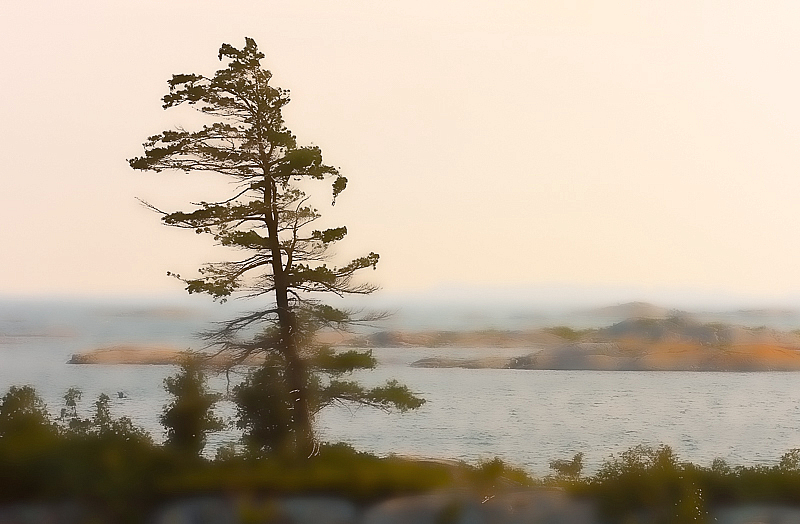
pixel 646 344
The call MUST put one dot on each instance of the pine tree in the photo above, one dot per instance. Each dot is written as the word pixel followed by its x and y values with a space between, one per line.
pixel 269 218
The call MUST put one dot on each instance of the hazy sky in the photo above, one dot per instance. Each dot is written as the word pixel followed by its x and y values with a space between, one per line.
pixel 639 145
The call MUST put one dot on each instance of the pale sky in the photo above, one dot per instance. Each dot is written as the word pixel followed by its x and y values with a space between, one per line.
pixel 645 145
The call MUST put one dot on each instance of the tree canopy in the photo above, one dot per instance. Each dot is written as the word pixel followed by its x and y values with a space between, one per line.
pixel 268 217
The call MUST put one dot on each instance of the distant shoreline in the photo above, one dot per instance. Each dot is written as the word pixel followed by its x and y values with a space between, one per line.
pixel 637 344
pixel 563 358
pixel 569 358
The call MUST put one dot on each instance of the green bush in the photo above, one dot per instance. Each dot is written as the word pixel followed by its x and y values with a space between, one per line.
pixel 189 418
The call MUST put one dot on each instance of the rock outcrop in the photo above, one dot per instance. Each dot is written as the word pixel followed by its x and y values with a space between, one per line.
pixel 669 344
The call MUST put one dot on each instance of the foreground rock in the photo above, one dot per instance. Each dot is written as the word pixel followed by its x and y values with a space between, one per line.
pixel 289 510
pixel 532 506
pixel 526 506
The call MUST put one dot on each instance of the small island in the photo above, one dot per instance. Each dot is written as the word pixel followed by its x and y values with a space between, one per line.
pixel 151 355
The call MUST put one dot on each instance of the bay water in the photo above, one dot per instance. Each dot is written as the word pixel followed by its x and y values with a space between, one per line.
pixel 525 417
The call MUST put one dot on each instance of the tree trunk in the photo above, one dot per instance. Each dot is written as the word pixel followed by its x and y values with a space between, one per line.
pixel 296 372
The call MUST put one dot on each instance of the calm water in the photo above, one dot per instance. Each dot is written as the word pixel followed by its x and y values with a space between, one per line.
pixel 531 417
pixel 525 417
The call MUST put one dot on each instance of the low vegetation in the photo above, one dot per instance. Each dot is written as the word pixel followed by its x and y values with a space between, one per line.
pixel 568 333
pixel 118 471
pixel 108 464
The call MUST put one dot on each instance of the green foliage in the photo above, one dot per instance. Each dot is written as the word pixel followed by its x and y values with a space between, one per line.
pixel 106 427
pixel 568 333
pixel 389 397
pixel 69 413
pixel 26 434
pixel 265 410
pixel 495 475
pixel 392 395
pixel 568 469
pixel 720 467
pixel 189 418
pixel 22 412
pixel 328 361
pixel 71 399
pixel 102 420
pixel 790 461
pixel 114 466
pixel 646 484
pixel 336 469
pixel 637 460
pixel 101 458
pixel 101 425
pixel 330 235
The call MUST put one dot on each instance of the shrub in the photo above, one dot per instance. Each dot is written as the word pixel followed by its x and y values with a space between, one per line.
pixel 189 418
